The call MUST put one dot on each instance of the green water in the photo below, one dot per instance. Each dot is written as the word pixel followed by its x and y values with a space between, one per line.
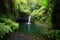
pixel 30 29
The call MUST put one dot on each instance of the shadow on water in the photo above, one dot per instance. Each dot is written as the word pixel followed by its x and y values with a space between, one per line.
pixel 27 32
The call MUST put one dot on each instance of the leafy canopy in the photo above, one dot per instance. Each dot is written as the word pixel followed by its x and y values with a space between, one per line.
pixel 30 6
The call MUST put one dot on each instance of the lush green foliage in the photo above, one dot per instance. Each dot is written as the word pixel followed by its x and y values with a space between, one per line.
pixel 7 25
pixel 7 17
pixel 40 10
pixel 45 16
pixel 4 29
pixel 30 6
pixel 52 34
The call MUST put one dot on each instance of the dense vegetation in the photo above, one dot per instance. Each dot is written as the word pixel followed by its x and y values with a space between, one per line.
pixel 7 17
pixel 40 10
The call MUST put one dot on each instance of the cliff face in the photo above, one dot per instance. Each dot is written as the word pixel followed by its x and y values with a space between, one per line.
pixel 56 15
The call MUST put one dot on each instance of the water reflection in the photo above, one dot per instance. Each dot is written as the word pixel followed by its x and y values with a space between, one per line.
pixel 28 28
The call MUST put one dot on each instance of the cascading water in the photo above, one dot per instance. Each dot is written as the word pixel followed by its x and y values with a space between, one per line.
pixel 29 19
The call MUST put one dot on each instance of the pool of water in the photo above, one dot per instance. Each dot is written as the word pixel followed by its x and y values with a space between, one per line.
pixel 30 29
pixel 27 32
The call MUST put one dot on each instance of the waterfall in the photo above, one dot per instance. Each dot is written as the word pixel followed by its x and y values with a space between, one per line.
pixel 29 19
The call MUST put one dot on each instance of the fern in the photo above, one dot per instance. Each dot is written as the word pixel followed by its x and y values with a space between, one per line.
pixel 7 25
pixel 4 29
pixel 13 24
